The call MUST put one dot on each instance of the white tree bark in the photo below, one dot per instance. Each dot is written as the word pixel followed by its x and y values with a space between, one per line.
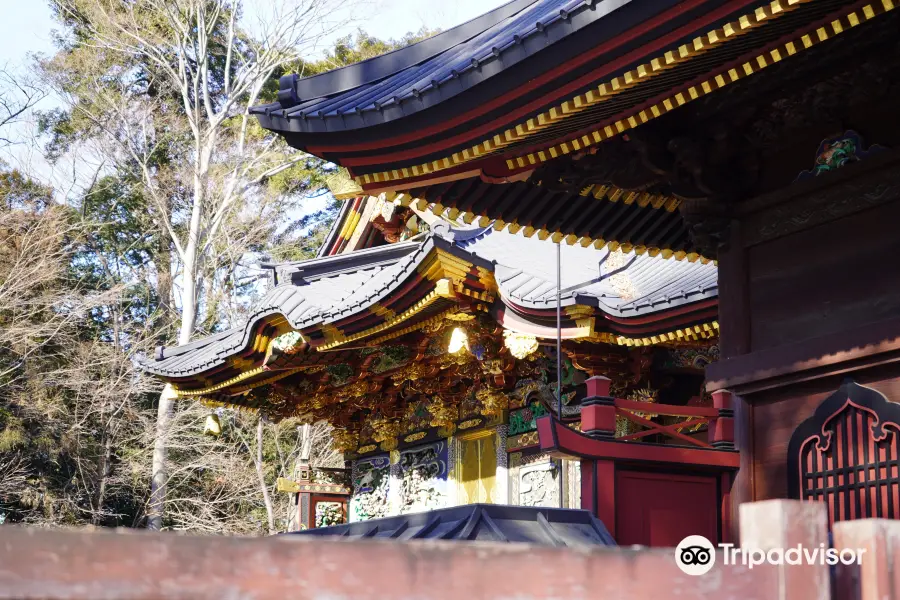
pixel 174 37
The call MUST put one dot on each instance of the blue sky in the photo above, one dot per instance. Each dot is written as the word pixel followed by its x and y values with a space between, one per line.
pixel 26 28
pixel 26 25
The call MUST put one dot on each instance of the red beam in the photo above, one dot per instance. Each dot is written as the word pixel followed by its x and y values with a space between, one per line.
pixel 668 430
pixel 556 437
pixel 667 409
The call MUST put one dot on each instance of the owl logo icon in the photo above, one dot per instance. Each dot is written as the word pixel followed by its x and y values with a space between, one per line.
pixel 695 555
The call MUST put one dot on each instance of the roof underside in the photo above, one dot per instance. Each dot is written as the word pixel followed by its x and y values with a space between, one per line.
pixel 466 120
pixel 556 527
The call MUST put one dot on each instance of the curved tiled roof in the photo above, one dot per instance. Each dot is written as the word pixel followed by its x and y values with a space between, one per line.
pixel 432 71
pixel 317 290
pixel 320 291
pixel 525 270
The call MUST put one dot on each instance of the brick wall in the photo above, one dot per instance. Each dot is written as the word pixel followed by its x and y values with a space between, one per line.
pixel 141 565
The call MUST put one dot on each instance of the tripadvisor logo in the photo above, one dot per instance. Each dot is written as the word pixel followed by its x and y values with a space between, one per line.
pixel 696 555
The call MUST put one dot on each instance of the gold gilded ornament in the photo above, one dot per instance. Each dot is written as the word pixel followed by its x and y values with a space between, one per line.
pixel 344 440
pixel 460 317
pixel 493 403
pixel 442 413
pixel 412 372
pixel 385 431
pixel 520 345
pixel 447 431
pixel 213 426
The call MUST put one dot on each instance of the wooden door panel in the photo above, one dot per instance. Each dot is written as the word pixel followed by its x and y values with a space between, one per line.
pixel 661 510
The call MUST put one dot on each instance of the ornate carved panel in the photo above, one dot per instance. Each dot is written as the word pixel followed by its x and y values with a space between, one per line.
pixel 846 455
pixel 423 477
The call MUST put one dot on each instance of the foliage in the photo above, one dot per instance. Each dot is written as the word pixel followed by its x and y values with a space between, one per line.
pixel 89 287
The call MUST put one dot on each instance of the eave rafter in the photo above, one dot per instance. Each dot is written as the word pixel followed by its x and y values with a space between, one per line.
pixel 610 89
pixel 642 199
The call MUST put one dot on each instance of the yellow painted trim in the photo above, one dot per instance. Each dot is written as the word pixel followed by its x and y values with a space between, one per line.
pixel 754 65
pixel 344 234
pixel 416 308
pixel 382 311
pixel 242 377
pixel 696 333
pixel 602 93
pixel 409 329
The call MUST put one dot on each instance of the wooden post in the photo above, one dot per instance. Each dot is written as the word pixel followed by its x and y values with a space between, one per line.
pixel 785 524
pixel 877 576
pixel 598 412
pixel 721 427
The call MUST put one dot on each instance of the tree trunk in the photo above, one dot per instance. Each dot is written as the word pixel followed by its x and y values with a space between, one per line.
pixel 270 510
pixel 166 410
pixel 104 470
pixel 159 473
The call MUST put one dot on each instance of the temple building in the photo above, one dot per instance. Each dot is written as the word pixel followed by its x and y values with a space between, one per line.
pixel 718 177
pixel 433 354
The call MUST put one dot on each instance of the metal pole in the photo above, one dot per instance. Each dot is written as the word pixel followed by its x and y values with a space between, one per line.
pixel 559 402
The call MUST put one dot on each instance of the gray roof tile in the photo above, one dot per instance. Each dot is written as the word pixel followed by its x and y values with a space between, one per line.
pixel 323 290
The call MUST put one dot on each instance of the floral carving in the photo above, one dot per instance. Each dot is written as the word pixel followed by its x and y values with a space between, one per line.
pixel 370 488
pixel 288 343
pixel 391 357
pixel 339 374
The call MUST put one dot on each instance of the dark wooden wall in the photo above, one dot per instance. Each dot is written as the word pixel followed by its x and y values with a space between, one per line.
pixel 776 414
pixel 826 279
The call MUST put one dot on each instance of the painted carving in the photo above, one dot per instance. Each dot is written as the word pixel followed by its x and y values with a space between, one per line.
pixel 288 343
pixel 691 358
pixel 539 485
pixel 524 419
pixel 423 478
pixel 329 513
pixel 371 481
pixel 625 426
pixel 837 152
pixel 391 357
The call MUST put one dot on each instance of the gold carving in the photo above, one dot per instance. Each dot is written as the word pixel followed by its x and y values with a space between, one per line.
pixel 286 485
pixel 385 431
pixel 447 431
pixel 344 440
pixel 460 316
pixel 367 448
pixel 442 413
pixel 520 345
pixel 414 437
pixel 493 403
pixel 470 424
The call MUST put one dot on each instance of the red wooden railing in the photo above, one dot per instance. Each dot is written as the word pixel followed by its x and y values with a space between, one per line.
pixel 696 415
pixel 598 417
